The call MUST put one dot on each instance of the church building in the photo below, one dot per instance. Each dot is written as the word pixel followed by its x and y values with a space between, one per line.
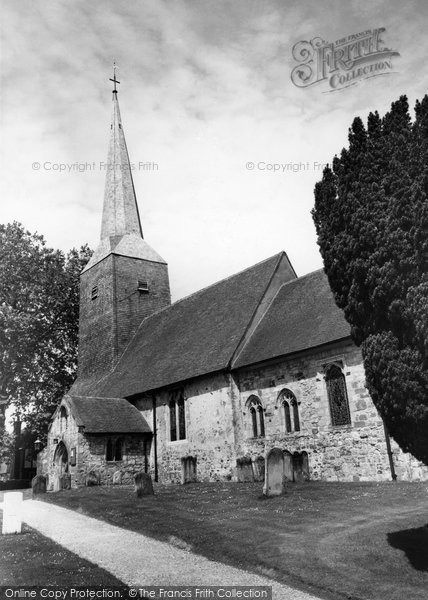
pixel 202 388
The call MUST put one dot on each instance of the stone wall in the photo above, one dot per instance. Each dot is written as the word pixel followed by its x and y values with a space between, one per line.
pixel 209 431
pixel 355 452
pixel 90 452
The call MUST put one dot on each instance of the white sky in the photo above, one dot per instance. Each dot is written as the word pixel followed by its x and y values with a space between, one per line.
pixel 205 88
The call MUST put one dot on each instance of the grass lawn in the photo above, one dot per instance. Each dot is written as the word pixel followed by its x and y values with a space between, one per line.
pixel 30 559
pixel 351 540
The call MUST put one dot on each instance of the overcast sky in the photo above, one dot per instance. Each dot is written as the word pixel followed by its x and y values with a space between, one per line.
pixel 205 88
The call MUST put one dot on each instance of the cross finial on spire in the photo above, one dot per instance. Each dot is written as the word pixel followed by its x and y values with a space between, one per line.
pixel 114 78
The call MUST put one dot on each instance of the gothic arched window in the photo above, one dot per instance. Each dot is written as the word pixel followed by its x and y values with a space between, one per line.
pixel 337 396
pixel 177 416
pixel 257 416
pixel 289 408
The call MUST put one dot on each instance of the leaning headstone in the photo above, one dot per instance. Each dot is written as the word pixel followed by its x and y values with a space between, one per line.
pixel 188 469
pixel 143 485
pixel 288 466
pixel 12 513
pixel 259 468
pixel 305 466
pixel 92 478
pixel 117 477
pixel 244 467
pixel 274 475
pixel 38 485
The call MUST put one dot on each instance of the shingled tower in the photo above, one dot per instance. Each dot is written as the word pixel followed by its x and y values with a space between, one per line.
pixel 125 280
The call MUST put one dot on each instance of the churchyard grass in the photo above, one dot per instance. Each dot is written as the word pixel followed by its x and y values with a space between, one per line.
pixel 30 559
pixel 341 540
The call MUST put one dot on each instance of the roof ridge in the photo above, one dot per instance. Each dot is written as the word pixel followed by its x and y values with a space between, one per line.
pixel 165 308
pixel 224 279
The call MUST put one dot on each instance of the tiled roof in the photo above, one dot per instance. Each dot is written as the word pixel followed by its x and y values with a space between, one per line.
pixel 107 415
pixel 302 315
pixel 194 336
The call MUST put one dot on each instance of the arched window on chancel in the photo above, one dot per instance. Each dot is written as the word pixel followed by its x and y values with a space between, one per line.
pixel 257 418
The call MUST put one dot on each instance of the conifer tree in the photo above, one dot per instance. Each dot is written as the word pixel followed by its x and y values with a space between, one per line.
pixel 371 217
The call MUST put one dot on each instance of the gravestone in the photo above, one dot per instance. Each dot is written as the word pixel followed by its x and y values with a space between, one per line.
pixel 12 513
pixel 143 485
pixel 65 481
pixel 288 466
pixel 298 467
pixel 274 475
pixel 117 477
pixel 92 478
pixel 244 467
pixel 38 485
pixel 305 466
pixel 188 469
pixel 259 468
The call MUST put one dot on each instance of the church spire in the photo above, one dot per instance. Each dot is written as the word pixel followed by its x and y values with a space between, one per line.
pixel 120 212
pixel 121 231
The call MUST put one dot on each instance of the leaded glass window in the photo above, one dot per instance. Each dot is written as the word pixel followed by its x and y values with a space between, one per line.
pixel 172 421
pixel 287 400
pixel 181 419
pixel 257 416
pixel 177 417
pixel 337 396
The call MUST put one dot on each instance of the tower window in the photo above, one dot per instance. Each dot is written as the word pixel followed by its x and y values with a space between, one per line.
pixel 143 286
pixel 94 292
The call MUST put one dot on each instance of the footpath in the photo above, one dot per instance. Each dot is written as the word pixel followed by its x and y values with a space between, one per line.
pixel 138 560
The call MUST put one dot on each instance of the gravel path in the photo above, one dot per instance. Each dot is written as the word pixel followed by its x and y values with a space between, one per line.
pixel 136 559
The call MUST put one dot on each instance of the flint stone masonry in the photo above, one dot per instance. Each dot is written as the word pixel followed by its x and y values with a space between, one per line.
pixel 90 454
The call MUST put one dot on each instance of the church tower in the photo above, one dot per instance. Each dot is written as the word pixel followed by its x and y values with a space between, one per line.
pixel 126 280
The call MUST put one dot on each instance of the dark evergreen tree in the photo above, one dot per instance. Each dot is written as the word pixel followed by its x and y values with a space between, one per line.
pixel 371 217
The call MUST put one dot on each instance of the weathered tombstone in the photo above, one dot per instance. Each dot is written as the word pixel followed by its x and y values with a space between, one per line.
pixel 117 477
pixel 244 467
pixel 298 467
pixel 92 478
pixel 305 466
pixel 12 513
pixel 65 481
pixel 143 484
pixel 38 485
pixel 259 468
pixel 188 469
pixel 274 474
pixel 288 466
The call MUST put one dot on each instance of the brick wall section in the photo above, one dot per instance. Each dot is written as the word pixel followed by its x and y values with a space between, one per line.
pixel 107 323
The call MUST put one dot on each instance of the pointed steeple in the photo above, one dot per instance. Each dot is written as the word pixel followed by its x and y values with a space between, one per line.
pixel 121 231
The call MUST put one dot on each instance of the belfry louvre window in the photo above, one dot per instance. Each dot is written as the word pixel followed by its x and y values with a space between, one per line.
pixel 290 410
pixel 257 416
pixel 177 417
pixel 94 292
pixel 143 286
pixel 337 396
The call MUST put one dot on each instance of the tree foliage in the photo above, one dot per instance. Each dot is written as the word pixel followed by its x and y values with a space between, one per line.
pixel 39 308
pixel 371 217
